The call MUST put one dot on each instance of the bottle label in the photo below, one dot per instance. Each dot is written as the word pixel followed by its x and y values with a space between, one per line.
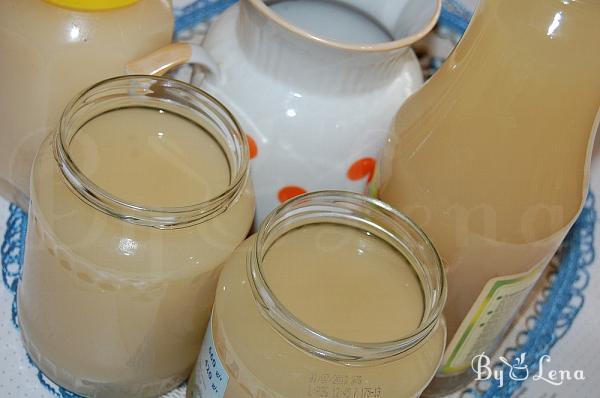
pixel 372 188
pixel 211 377
pixel 488 318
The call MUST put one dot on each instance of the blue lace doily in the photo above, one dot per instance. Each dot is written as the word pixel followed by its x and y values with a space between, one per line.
pixel 554 311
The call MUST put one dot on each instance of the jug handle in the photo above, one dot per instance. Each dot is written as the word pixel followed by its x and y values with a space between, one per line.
pixel 164 59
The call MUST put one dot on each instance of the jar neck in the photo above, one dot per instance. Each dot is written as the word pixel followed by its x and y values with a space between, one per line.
pixel 383 222
pixel 158 93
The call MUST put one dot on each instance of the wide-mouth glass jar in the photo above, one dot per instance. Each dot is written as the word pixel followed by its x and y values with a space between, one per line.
pixel 136 201
pixel 337 295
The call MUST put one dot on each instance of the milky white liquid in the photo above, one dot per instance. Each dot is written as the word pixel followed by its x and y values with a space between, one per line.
pixel 331 20
pixel 110 308
pixel 49 54
pixel 345 284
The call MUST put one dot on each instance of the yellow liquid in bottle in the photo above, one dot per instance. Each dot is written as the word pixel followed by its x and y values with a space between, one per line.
pixel 49 54
pixel 110 308
pixel 341 281
pixel 491 158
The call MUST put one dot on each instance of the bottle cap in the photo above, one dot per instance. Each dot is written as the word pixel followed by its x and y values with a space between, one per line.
pixel 91 5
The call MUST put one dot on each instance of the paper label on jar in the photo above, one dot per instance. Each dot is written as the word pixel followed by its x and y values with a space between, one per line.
pixel 211 377
pixel 488 318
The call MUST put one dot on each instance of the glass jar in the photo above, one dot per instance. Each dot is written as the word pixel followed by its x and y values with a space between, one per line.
pixel 41 43
pixel 337 295
pixel 136 201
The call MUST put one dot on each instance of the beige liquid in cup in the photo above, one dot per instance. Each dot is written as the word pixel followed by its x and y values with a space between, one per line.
pixel 126 317
pixel 49 54
pixel 341 281
pixel 492 156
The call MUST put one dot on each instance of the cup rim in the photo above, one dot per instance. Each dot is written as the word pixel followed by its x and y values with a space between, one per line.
pixel 266 11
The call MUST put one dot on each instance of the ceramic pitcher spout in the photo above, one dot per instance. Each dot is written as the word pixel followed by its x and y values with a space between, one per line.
pixel 333 71
pixel 297 56
pixel 405 21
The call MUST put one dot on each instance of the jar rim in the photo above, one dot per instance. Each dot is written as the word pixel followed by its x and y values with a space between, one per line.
pixel 310 339
pixel 139 86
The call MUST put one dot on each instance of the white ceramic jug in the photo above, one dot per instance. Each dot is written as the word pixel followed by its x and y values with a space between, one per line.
pixel 317 110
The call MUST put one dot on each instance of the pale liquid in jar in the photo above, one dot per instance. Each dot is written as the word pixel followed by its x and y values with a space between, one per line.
pixel 112 308
pixel 341 281
pixel 491 157
pixel 49 54
pixel 345 283
pixel 332 20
